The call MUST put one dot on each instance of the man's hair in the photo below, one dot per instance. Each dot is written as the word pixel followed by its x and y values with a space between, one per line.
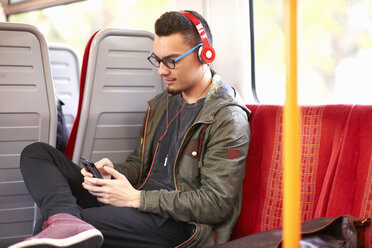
pixel 174 22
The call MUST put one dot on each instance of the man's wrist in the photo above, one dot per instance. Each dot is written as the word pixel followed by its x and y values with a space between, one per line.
pixel 137 199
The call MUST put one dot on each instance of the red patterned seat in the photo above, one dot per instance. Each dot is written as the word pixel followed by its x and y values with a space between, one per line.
pixel 351 190
pixel 322 129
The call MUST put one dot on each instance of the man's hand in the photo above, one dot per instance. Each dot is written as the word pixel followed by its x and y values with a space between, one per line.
pixel 105 162
pixel 117 192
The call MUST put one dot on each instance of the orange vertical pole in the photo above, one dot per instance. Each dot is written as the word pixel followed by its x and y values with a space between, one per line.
pixel 291 133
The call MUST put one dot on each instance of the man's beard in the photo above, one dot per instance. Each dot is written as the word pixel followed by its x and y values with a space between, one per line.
pixel 173 91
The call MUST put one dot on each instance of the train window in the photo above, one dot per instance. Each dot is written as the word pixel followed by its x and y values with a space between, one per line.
pixel 335 51
pixel 74 23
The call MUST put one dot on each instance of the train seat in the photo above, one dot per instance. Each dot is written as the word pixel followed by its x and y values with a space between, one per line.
pixel 351 190
pixel 118 82
pixel 65 65
pixel 322 129
pixel 27 114
pixel 70 146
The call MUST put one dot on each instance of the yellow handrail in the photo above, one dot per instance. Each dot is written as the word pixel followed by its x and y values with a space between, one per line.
pixel 291 133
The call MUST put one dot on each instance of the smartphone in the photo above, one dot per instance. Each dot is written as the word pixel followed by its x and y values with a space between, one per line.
pixel 90 167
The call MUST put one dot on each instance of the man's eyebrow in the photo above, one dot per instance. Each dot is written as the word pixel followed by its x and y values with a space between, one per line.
pixel 168 56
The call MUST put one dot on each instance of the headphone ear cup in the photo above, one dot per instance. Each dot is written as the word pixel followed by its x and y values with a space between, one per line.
pixel 206 55
pixel 200 50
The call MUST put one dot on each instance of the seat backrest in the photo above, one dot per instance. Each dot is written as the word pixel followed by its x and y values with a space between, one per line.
pixel 321 135
pixel 65 64
pixel 119 81
pixel 350 192
pixel 27 114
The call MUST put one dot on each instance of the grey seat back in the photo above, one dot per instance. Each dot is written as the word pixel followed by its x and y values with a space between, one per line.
pixel 27 115
pixel 65 64
pixel 118 85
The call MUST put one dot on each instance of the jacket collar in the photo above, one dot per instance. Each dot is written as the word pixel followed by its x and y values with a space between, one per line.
pixel 220 94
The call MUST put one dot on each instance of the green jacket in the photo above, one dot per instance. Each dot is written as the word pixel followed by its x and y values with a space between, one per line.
pixel 209 167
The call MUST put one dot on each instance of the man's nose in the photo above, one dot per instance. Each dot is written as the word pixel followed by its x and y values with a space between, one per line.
pixel 163 70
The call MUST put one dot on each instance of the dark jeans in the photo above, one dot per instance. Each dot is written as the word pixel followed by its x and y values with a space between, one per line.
pixel 54 183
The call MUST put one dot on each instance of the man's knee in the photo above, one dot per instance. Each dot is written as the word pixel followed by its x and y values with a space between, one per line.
pixel 33 148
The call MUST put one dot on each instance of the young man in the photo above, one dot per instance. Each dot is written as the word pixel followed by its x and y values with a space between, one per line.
pixel 182 184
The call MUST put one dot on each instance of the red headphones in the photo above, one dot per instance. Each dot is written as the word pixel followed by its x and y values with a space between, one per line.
pixel 206 52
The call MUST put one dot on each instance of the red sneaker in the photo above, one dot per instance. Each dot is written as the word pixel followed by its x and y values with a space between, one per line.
pixel 64 230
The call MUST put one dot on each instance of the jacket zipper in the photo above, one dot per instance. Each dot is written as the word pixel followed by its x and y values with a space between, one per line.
pixel 143 141
pixel 178 152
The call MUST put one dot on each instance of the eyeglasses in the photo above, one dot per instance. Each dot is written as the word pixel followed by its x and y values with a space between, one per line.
pixel 168 62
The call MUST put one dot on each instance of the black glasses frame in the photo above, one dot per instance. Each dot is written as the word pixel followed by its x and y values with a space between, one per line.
pixel 155 61
pixel 168 62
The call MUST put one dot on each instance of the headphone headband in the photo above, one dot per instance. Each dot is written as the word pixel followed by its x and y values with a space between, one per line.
pixel 207 54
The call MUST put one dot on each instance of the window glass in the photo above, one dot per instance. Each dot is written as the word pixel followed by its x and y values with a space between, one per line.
pixel 335 51
pixel 74 23
pixel 269 51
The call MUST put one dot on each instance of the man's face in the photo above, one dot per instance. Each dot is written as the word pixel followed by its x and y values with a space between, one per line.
pixel 187 74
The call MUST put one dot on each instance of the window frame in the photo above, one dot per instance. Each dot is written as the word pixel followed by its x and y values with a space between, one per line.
pixel 28 5
pixel 253 61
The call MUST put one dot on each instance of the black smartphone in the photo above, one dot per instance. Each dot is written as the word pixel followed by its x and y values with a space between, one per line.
pixel 90 167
